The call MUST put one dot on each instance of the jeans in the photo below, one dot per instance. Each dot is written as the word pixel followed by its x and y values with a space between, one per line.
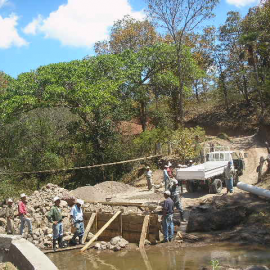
pixel 57 230
pixel 29 224
pixel 168 228
pixel 149 182
pixel 167 183
pixel 79 229
pixel 229 184
pixel 178 206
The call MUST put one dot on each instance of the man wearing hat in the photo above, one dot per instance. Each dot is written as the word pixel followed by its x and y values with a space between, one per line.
pixel 166 177
pixel 149 174
pixel 175 195
pixel 76 216
pixel 10 217
pixel 229 177
pixel 22 209
pixel 167 217
pixel 55 216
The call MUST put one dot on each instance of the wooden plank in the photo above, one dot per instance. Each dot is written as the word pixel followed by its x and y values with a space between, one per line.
pixel 144 231
pixel 118 203
pixel 101 230
pixel 88 227
pixel 46 251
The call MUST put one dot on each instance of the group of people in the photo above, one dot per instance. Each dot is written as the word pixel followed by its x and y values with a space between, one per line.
pixel 54 216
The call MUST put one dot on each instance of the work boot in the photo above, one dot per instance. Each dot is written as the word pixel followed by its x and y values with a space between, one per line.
pixel 182 217
pixel 60 240
pixel 73 241
pixel 54 245
pixel 80 240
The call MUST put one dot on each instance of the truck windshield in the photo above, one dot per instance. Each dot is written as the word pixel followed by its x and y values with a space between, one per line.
pixel 218 156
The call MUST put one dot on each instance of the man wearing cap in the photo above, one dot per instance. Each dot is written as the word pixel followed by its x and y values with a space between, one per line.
pixel 149 175
pixel 167 217
pixel 76 216
pixel 166 177
pixel 55 216
pixel 229 177
pixel 175 195
pixel 24 215
pixel 10 217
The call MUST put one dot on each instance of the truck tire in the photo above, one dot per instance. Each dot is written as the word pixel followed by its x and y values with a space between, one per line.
pixel 191 187
pixel 235 179
pixel 216 186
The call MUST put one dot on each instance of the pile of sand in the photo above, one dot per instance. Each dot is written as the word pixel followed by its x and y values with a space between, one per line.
pixel 100 192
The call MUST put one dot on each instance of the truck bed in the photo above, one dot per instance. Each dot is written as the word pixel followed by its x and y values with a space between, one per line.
pixel 202 171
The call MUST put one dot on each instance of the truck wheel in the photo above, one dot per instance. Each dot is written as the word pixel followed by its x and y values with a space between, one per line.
pixel 191 187
pixel 235 179
pixel 216 186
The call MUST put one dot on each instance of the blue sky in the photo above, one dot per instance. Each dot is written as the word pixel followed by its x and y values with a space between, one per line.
pixel 39 32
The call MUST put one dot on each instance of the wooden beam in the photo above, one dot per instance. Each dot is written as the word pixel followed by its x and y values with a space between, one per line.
pixel 88 227
pixel 118 203
pixel 145 259
pixel 101 230
pixel 144 231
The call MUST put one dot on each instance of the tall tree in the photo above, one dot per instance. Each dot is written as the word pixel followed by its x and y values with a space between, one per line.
pixel 179 17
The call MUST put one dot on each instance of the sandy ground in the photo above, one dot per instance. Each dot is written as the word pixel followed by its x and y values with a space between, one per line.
pixel 246 144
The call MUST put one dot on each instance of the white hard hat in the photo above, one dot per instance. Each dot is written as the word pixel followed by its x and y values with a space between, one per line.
pixel 79 201
pixel 167 192
pixel 9 200
pixel 22 195
pixel 169 164
pixel 166 166
pixel 147 167
pixel 190 160
pixel 56 199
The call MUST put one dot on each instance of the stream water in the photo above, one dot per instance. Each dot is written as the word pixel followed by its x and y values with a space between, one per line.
pixel 165 257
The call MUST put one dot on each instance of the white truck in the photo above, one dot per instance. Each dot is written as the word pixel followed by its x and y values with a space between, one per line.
pixel 210 174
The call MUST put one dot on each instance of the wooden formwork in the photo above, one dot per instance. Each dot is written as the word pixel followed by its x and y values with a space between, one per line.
pixel 129 226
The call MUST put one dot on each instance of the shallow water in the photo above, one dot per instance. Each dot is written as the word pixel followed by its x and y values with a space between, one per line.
pixel 164 257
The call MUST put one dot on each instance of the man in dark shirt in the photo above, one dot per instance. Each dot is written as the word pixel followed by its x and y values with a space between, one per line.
pixel 167 217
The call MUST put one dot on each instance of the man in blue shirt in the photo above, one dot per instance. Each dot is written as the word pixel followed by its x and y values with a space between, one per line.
pixel 76 216
pixel 167 217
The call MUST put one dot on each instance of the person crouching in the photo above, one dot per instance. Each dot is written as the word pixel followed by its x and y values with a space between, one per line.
pixel 76 215
pixel 10 217
pixel 55 216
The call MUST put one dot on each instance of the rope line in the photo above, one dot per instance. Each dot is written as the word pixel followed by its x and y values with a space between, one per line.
pixel 80 168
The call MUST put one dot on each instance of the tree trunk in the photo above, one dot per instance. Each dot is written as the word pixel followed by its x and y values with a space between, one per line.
pixel 143 117
pixel 225 91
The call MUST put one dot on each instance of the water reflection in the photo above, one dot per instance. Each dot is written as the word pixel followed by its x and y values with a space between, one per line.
pixel 165 257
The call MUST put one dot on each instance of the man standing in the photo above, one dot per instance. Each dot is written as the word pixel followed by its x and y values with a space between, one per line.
pixel 55 216
pixel 169 170
pixel 229 177
pixel 10 217
pixel 167 217
pixel 175 195
pixel 23 215
pixel 166 177
pixel 149 175
pixel 76 215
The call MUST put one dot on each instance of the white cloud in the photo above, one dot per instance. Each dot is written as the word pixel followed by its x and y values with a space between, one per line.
pixel 242 3
pixel 3 2
pixel 80 23
pixel 32 27
pixel 9 34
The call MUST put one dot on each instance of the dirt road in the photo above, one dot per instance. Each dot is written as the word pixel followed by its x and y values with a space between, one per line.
pixel 247 144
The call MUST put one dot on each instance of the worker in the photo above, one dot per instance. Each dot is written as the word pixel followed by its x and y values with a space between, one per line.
pixel 166 177
pixel 169 170
pixel 76 215
pixel 190 163
pixel 167 217
pixel 23 214
pixel 229 177
pixel 149 176
pixel 10 217
pixel 175 196
pixel 55 216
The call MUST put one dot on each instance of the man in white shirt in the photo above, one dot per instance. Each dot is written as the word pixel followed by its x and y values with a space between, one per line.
pixel 76 216
pixel 149 175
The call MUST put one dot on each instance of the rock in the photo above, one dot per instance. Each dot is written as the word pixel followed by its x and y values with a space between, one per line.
pixel 123 243
pixel 114 241
pixel 117 248
pixel 97 246
pixel 3 222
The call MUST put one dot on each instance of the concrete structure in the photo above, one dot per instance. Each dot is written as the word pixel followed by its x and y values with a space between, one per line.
pixel 23 254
